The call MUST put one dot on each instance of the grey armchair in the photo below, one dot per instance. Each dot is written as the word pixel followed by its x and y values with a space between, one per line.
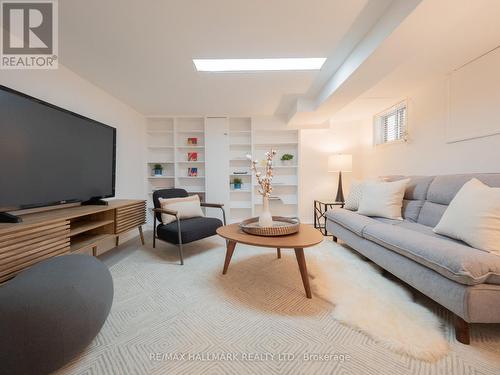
pixel 183 231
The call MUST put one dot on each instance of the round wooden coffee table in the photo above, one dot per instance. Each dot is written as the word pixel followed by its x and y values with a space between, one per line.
pixel 307 236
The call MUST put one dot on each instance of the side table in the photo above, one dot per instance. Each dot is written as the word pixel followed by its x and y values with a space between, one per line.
pixel 320 208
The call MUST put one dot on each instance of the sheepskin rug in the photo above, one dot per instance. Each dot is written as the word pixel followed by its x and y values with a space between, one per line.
pixel 369 302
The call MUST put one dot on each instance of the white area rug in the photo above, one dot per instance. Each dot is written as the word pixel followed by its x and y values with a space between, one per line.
pixel 367 301
pixel 168 319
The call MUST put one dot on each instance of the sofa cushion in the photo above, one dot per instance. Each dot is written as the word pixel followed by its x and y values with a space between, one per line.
pixel 443 189
pixel 192 229
pixel 454 260
pixel 411 209
pixel 383 199
pixel 350 220
pixel 431 213
pixel 424 229
pixel 473 216
pixel 415 194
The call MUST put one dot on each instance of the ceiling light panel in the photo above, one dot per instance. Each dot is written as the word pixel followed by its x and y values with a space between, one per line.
pixel 256 65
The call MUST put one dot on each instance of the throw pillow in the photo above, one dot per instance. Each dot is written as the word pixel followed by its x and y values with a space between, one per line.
pixel 383 199
pixel 473 217
pixel 356 191
pixel 186 208
pixel 354 196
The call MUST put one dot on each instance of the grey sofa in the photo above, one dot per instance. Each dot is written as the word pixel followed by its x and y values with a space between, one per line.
pixel 463 279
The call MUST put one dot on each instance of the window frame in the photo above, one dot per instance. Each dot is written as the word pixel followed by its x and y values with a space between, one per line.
pixel 378 135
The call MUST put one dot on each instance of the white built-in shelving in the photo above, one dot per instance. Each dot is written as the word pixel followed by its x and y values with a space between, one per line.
pixel 270 134
pixel 240 145
pixel 167 144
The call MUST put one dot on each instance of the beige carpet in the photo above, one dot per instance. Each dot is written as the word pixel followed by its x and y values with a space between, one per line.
pixel 168 319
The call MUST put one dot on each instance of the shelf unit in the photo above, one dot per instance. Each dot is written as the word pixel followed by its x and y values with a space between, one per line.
pixel 272 134
pixel 168 146
pixel 240 144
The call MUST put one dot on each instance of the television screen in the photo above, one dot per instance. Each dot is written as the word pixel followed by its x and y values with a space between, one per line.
pixel 49 155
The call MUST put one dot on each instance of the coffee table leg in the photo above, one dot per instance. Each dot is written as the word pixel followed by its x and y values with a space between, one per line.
pixel 301 260
pixel 229 253
pixel 279 253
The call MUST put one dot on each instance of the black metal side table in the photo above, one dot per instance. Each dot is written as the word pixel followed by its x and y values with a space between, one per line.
pixel 320 208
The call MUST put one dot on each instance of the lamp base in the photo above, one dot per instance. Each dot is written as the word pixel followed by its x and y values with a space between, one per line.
pixel 340 193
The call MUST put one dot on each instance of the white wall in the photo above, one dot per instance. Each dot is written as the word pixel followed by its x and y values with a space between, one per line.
pixel 315 180
pixel 68 90
pixel 427 151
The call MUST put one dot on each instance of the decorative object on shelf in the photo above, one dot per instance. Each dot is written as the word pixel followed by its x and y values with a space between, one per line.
pixel 192 141
pixel 240 172
pixel 192 156
pixel 158 170
pixel 286 159
pixel 193 172
pixel 265 189
pixel 237 183
pixel 282 226
pixel 340 163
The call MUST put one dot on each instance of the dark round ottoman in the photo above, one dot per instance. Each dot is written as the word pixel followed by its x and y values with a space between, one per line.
pixel 51 312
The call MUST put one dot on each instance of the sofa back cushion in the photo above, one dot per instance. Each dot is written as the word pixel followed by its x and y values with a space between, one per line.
pixel 415 194
pixel 443 189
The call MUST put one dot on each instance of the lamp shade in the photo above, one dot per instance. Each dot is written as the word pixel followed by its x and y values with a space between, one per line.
pixel 340 163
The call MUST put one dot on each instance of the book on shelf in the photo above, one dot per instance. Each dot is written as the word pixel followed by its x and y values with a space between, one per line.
pixel 193 172
pixel 192 156
pixel 192 141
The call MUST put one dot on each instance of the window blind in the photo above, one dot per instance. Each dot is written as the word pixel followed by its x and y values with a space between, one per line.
pixel 391 124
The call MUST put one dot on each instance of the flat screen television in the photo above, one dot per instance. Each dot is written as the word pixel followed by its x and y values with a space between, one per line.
pixel 50 156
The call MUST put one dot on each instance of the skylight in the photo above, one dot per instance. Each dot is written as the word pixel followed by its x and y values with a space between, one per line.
pixel 240 65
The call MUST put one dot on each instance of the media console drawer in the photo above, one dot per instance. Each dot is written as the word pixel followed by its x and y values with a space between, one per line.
pixel 130 217
pixel 23 248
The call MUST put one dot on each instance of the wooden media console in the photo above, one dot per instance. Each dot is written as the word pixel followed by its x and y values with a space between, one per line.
pixel 72 230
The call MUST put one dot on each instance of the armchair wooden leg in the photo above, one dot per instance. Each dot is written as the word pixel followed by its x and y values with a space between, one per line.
pixel 462 330
pixel 279 252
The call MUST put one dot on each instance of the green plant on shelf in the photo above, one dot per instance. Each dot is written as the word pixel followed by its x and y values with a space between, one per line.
pixel 286 159
pixel 237 182
pixel 157 169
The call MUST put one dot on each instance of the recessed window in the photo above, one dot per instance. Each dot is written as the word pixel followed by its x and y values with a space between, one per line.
pixel 240 65
pixel 390 125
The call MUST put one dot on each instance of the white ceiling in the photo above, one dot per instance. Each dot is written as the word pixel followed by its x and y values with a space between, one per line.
pixel 438 37
pixel 141 51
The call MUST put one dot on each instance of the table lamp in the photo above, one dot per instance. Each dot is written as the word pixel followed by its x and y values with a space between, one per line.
pixel 340 163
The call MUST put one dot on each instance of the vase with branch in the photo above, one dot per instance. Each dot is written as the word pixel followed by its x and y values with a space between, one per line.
pixel 265 186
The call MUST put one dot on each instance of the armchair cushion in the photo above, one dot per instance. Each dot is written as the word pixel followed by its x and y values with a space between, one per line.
pixel 187 208
pixel 191 229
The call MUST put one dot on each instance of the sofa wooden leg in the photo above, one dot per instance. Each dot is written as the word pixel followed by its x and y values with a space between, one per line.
pixel 335 239
pixel 462 330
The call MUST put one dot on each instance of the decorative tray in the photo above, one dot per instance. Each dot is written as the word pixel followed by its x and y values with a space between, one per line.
pixel 282 226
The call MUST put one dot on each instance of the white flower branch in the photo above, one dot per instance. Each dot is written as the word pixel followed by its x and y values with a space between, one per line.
pixel 265 182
